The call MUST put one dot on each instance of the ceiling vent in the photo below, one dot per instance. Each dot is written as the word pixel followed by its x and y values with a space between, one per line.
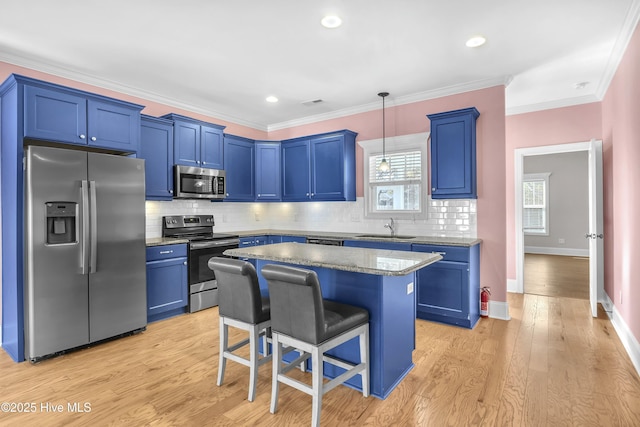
pixel 312 102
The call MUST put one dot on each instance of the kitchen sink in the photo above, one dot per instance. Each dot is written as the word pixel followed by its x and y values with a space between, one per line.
pixel 386 236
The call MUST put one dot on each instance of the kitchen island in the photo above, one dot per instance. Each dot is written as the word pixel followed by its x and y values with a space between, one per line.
pixel 382 281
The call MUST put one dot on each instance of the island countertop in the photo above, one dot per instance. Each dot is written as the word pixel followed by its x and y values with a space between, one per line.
pixel 358 260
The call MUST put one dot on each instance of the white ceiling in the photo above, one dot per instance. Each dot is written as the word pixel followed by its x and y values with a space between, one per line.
pixel 222 58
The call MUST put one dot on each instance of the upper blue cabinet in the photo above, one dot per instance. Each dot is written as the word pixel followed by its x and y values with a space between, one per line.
pixel 319 167
pixel 453 154
pixel 239 163
pixel 156 148
pixel 59 114
pixel 268 185
pixel 197 143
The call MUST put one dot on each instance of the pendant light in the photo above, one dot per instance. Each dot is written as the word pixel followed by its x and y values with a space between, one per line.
pixel 384 165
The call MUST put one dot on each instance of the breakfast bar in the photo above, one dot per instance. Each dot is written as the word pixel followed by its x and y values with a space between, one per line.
pixel 382 281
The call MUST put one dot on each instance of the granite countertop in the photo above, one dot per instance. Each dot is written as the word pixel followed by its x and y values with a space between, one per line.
pixel 359 260
pixel 378 237
pixel 159 241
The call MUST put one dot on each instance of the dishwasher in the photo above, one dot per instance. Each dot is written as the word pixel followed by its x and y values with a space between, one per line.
pixel 329 241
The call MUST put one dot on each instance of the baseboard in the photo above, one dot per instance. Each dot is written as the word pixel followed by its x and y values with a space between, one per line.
pixel 512 285
pixel 629 342
pixel 556 251
pixel 499 310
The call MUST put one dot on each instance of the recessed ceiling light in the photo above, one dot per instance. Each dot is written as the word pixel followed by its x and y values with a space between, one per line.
pixel 271 99
pixel 331 21
pixel 580 85
pixel 476 41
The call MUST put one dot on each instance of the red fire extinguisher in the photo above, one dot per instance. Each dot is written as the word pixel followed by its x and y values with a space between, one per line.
pixel 485 293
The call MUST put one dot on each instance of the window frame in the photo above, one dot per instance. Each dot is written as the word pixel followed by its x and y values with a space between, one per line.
pixel 398 144
pixel 537 177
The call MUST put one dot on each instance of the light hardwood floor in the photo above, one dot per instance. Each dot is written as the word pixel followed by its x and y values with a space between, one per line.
pixel 550 365
pixel 556 276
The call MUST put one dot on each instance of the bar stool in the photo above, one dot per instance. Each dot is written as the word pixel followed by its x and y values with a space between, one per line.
pixel 302 319
pixel 242 306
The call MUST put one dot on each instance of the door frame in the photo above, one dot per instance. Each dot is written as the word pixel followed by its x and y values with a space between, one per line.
pixel 596 287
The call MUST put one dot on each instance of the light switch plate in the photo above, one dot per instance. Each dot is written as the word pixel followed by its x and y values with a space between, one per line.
pixel 410 288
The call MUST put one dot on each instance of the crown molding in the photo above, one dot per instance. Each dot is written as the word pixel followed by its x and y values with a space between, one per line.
pixel 401 100
pixel 559 103
pixel 119 87
pixel 619 48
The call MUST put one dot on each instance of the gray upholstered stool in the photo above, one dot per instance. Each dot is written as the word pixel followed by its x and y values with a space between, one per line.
pixel 242 306
pixel 302 319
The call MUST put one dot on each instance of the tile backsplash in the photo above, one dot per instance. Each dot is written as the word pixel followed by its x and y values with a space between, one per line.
pixel 455 218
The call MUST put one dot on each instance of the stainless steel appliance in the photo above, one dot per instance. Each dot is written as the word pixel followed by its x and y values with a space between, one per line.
pixel 85 249
pixel 203 244
pixel 331 241
pixel 199 183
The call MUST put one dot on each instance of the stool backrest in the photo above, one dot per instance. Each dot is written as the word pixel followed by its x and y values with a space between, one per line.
pixel 296 302
pixel 238 289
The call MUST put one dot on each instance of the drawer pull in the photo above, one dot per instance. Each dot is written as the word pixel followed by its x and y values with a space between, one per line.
pixel 165 252
pixel 440 253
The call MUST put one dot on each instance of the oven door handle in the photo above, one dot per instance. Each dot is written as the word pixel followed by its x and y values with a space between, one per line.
pixel 214 244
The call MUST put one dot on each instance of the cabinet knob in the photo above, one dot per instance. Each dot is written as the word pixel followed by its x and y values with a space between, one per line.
pixel 307 194
pixel 227 194
pixel 170 191
pixel 433 189
pixel 184 263
pixel 93 138
pixel 82 136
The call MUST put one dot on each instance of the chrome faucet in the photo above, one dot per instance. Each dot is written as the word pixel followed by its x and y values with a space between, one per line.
pixel 391 225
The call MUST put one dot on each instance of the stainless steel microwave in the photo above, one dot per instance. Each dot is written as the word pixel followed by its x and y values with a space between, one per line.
pixel 199 183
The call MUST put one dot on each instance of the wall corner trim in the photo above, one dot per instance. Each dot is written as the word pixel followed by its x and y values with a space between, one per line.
pixel 499 310
pixel 629 341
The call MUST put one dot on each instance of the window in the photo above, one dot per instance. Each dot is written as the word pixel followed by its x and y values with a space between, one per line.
pixel 398 192
pixel 535 203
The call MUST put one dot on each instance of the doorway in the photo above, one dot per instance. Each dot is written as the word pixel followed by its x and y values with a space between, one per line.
pixel 593 233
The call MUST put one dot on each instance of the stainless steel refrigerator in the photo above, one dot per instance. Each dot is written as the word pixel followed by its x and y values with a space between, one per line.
pixel 85 249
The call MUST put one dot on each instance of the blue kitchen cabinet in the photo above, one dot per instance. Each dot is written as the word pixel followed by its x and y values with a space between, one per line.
pixel 167 293
pixel 239 160
pixel 296 170
pixel 197 143
pixel 453 154
pixel 274 239
pixel 59 114
pixel 268 182
pixel 394 246
pixel 448 291
pixel 319 167
pixel 253 241
pixel 296 239
pixel 156 148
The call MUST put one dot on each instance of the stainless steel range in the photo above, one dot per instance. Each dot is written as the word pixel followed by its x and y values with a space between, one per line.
pixel 203 244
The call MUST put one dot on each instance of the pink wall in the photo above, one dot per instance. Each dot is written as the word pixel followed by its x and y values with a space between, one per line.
pixel 549 127
pixel 411 118
pixel 621 132
pixel 151 108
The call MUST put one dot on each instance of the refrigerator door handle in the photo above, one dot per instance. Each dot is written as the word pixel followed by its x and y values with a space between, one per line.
pixel 94 227
pixel 84 241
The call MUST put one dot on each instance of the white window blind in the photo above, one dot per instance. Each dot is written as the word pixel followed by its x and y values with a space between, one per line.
pixel 535 198
pixel 399 188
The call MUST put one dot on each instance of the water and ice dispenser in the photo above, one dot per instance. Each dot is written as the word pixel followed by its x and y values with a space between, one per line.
pixel 61 222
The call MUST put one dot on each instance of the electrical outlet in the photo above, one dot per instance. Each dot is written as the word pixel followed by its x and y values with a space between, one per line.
pixel 257 217
pixel 410 288
pixel 224 218
pixel 561 241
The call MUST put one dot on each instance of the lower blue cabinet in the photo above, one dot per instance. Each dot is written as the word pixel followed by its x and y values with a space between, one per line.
pixel 448 291
pixel 392 246
pixel 167 286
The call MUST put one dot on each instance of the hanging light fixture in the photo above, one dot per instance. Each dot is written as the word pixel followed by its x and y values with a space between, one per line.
pixel 384 165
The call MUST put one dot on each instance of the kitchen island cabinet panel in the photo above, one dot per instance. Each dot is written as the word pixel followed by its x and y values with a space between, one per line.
pixel 396 246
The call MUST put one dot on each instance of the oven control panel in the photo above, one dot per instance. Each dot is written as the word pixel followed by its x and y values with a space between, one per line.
pixel 186 221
